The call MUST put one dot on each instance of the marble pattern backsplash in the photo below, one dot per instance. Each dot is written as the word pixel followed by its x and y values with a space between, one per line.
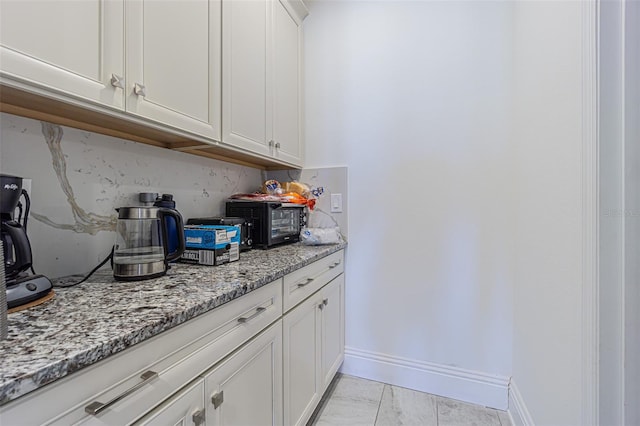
pixel 79 178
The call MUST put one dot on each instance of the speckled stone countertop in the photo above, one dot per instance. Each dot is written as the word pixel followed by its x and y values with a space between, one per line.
pixel 87 323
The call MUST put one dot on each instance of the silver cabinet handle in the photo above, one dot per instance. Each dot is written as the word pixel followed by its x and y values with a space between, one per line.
pixel 325 302
pixel 277 145
pixel 140 89
pixel 97 407
pixel 302 284
pixel 117 81
pixel 198 417
pixel 259 310
pixel 271 143
pixel 321 306
pixel 309 280
pixel 217 399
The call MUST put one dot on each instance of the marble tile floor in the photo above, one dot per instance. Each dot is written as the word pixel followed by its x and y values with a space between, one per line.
pixel 353 401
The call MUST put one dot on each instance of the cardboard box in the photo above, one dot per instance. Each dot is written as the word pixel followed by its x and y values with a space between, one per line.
pixel 211 244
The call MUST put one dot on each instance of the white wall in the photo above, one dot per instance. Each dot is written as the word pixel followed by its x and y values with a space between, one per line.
pixel 611 380
pixel 414 97
pixel 461 124
pixel 632 207
pixel 547 345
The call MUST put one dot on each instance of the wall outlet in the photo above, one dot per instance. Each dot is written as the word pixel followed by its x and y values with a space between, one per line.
pixel 26 185
pixel 336 203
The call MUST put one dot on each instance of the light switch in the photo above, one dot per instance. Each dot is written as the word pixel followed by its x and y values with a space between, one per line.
pixel 336 203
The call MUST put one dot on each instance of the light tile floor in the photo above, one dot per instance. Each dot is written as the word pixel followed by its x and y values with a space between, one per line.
pixel 354 401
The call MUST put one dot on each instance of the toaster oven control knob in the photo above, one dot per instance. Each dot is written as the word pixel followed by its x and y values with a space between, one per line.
pixel 31 287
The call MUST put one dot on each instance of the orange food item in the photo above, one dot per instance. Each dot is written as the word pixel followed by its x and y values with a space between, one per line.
pixel 293 197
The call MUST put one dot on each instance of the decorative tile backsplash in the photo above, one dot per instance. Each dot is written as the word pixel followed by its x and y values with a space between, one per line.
pixel 78 178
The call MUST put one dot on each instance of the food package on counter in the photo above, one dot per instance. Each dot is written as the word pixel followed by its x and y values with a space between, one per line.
pixel 297 188
pixel 272 187
pixel 292 197
pixel 211 244
pixel 320 236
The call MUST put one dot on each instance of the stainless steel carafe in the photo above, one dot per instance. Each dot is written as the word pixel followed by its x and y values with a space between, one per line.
pixel 142 235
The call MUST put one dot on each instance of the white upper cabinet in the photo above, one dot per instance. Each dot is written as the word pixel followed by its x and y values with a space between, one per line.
pixel 261 79
pixel 173 63
pixel 68 46
pixel 224 72
pixel 246 92
pixel 287 92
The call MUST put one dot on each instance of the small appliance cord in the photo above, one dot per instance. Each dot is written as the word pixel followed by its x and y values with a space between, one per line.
pixel 86 277
pixel 106 259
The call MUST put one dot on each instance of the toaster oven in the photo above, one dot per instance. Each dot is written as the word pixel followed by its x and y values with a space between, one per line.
pixel 272 223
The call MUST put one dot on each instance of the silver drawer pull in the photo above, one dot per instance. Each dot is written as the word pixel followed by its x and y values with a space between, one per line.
pixel 97 407
pixel 325 302
pixel 259 310
pixel 309 280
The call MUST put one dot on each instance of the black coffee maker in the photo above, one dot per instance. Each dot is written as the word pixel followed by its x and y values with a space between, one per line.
pixel 22 287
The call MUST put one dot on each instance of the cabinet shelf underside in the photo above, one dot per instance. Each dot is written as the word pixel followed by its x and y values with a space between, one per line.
pixel 118 124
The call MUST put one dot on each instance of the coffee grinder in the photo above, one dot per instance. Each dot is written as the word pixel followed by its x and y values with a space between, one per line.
pixel 22 287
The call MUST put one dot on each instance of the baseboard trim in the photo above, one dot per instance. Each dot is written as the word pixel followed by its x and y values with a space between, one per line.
pixel 517 409
pixel 490 390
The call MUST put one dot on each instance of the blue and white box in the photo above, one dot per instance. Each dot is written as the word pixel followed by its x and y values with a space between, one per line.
pixel 211 244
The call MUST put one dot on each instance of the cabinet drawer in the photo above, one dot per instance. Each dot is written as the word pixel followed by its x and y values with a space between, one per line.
pixel 185 408
pixel 177 356
pixel 302 283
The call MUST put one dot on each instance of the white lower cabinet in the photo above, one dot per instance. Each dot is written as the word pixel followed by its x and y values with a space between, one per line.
pixel 184 409
pixel 259 360
pixel 246 389
pixel 332 334
pixel 313 350
pixel 301 352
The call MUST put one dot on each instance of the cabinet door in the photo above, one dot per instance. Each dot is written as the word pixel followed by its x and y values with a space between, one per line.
pixel 332 329
pixel 246 79
pixel 301 356
pixel 173 63
pixel 246 389
pixel 68 46
pixel 184 409
pixel 287 106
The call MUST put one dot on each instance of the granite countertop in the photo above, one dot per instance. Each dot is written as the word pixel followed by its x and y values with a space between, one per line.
pixel 87 323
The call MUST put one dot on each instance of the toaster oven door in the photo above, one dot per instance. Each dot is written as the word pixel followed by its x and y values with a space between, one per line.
pixel 285 225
